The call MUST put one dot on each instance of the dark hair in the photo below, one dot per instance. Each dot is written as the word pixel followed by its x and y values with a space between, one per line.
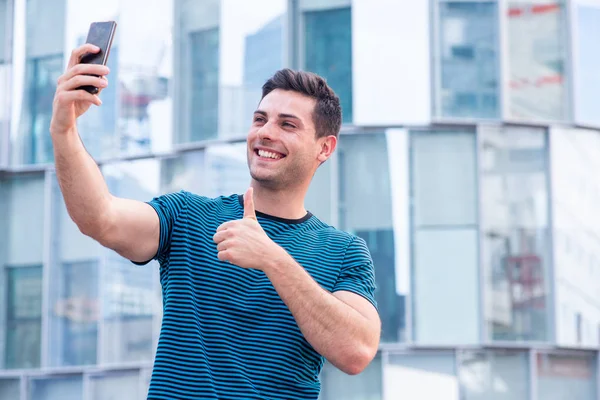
pixel 327 115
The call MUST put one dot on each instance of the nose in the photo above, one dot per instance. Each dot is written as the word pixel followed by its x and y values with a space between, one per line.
pixel 267 131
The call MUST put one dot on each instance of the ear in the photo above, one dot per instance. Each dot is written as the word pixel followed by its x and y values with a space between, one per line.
pixel 328 145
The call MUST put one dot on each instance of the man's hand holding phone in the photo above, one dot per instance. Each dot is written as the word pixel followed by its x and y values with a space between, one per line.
pixel 70 101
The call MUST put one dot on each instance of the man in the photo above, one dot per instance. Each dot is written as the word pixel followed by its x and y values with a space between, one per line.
pixel 257 291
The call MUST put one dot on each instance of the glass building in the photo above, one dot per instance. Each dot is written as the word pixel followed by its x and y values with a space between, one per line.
pixel 467 163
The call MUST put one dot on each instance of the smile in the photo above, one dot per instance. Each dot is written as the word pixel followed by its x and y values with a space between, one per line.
pixel 269 155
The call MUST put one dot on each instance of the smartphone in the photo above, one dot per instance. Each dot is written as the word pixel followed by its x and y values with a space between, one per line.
pixel 101 34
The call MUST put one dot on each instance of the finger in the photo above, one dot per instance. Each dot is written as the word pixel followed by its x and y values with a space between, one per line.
pixel 84 69
pixel 83 80
pixel 224 245
pixel 249 211
pixel 65 97
pixel 224 255
pixel 225 225
pixel 220 236
pixel 80 51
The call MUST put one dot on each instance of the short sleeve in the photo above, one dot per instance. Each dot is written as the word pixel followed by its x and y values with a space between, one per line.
pixel 357 274
pixel 168 207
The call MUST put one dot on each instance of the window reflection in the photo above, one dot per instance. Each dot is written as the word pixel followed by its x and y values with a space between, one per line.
pixel 327 39
pixel 21 257
pixel 115 386
pixel 576 225
pixel 217 170
pixel 5 71
pixel 421 376
pixel 537 54
pixel 75 314
pixel 445 265
pixel 587 62
pixel 498 375
pixel 45 28
pixel 366 386
pixel 135 116
pixel 365 200
pixel 515 224
pixel 9 389
pixel 74 304
pixel 225 51
pixel 469 61
pixel 23 316
pixel 58 388
pixel 567 376
pixel 129 296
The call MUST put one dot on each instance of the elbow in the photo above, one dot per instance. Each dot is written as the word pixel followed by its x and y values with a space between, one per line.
pixel 98 229
pixel 358 360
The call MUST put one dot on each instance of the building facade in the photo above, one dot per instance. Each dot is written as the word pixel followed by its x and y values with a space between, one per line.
pixel 467 162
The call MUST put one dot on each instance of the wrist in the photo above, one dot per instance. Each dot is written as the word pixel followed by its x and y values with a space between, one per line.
pixel 278 257
pixel 61 134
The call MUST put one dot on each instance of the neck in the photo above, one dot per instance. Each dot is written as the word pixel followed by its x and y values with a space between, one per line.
pixel 285 203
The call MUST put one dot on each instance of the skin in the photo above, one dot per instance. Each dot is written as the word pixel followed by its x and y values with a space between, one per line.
pixel 341 326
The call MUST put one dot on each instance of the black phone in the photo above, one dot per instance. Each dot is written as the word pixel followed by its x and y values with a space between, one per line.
pixel 101 34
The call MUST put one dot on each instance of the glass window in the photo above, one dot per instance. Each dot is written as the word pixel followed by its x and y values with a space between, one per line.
pixel 469 65
pixel 74 303
pixel 224 52
pixel 366 386
pixel 537 72
pixel 21 258
pixel 23 317
pixel 136 114
pixel 576 227
pixel 43 50
pixel 216 170
pixel 10 389
pixel 5 76
pixel 327 50
pixel 116 386
pixel 366 208
pixel 514 189
pixel 421 375
pixel 22 228
pixel 587 62
pixel 567 376
pixel 319 198
pixel 494 375
pixel 56 388
pixel 445 258
pixel 129 300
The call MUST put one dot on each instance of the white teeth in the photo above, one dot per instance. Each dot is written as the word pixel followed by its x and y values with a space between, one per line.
pixel 268 154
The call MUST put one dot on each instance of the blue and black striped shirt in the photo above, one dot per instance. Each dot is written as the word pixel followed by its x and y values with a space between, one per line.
pixel 226 333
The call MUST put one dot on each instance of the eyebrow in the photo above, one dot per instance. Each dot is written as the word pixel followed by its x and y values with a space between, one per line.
pixel 282 115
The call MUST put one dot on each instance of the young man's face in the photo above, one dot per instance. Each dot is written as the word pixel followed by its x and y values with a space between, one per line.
pixel 283 149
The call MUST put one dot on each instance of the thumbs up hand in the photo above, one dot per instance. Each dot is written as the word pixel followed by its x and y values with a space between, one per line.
pixel 243 242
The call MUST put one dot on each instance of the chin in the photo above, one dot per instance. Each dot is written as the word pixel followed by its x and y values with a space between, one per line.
pixel 266 180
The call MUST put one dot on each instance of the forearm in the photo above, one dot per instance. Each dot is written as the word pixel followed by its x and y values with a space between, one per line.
pixel 85 192
pixel 335 330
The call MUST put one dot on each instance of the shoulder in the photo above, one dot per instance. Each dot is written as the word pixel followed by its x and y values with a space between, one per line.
pixel 349 241
pixel 210 208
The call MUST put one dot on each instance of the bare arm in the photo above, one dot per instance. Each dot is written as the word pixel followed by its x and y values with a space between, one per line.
pixel 129 227
pixel 343 326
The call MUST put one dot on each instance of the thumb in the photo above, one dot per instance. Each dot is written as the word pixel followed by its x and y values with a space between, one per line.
pixel 249 205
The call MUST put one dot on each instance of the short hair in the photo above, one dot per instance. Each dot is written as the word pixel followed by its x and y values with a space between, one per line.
pixel 327 114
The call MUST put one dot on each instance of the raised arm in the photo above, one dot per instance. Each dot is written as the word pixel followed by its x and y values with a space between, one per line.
pixel 129 227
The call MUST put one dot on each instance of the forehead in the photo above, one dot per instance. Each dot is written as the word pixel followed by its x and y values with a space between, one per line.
pixel 288 102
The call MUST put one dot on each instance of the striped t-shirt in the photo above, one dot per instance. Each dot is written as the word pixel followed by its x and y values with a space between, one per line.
pixel 226 333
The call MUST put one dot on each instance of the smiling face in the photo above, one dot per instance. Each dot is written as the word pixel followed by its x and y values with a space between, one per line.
pixel 283 148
